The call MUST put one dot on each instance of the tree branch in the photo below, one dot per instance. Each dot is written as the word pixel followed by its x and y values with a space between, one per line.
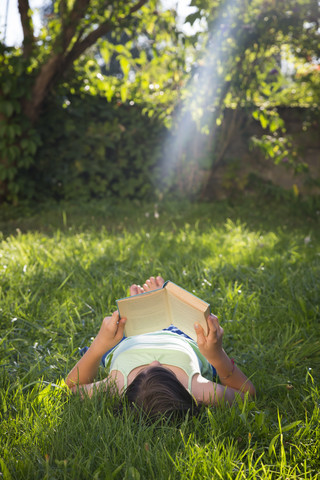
pixel 41 85
pixel 79 47
pixel 137 6
pixel 88 41
pixel 79 9
pixel 27 27
pixel 61 60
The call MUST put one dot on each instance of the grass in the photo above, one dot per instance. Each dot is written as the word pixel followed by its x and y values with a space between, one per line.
pixel 62 269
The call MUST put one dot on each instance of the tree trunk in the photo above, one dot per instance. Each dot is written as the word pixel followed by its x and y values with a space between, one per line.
pixel 42 84
pixel 59 63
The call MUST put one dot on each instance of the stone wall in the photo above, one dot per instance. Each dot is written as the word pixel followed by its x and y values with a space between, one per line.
pixel 239 165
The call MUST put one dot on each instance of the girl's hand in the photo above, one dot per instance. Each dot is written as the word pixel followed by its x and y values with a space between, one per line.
pixel 110 333
pixel 211 345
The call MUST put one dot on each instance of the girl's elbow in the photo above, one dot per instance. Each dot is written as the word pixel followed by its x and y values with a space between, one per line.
pixel 252 390
pixel 71 385
pixel 74 388
pixel 249 388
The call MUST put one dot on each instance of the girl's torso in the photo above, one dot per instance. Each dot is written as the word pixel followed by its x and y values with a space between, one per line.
pixel 178 354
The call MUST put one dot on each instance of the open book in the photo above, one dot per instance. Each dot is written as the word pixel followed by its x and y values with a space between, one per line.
pixel 157 309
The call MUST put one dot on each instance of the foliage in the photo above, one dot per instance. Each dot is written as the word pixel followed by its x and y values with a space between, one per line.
pixel 276 147
pixel 19 140
pixel 261 54
pixel 98 149
pixel 255 56
pixel 150 63
pixel 252 40
pixel 53 64
pixel 60 277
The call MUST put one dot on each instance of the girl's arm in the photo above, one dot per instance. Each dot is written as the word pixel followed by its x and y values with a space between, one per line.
pixel 229 374
pixel 211 393
pixel 110 334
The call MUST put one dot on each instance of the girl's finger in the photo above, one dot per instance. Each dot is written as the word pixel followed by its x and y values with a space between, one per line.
pixel 115 317
pixel 120 330
pixel 215 319
pixel 218 328
pixel 211 326
pixel 201 339
pixel 215 323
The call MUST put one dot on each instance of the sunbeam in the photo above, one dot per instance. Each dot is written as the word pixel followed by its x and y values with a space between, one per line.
pixel 199 110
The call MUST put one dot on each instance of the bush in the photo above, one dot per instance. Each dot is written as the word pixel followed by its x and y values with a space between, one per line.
pixel 92 148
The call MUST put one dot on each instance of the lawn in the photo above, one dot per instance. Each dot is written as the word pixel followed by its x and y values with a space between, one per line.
pixel 63 267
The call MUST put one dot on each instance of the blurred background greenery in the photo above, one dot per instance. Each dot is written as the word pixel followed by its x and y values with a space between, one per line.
pixel 94 101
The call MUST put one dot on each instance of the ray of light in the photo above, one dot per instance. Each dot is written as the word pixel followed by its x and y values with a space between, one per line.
pixel 199 111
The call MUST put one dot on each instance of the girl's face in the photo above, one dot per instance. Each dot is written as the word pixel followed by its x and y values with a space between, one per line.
pixel 155 363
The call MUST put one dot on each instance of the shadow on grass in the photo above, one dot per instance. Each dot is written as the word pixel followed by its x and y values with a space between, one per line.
pixel 257 212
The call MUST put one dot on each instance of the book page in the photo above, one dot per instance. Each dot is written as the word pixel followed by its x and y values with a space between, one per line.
pixel 184 315
pixel 147 312
pixel 186 296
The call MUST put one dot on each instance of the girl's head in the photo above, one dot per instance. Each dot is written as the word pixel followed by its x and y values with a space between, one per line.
pixel 157 391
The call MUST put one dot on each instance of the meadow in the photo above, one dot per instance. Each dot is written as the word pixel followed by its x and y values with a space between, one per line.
pixel 62 268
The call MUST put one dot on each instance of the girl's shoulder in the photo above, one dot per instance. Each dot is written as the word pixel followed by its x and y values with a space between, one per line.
pixel 212 393
pixel 113 383
pixel 204 390
pixel 115 379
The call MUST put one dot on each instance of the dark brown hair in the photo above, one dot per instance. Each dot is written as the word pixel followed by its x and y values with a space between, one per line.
pixel 157 391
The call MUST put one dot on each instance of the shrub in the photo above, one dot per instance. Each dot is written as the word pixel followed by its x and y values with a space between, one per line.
pixel 92 148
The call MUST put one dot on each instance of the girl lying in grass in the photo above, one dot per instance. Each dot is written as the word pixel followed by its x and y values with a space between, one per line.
pixel 162 372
